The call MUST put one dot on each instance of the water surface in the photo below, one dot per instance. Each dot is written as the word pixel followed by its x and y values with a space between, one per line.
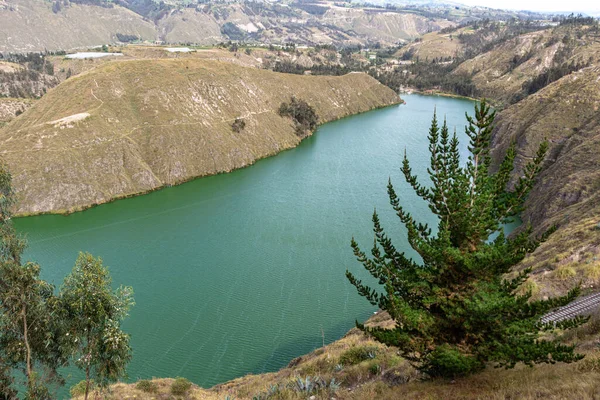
pixel 241 272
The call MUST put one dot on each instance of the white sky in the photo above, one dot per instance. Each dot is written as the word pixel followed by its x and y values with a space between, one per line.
pixel 592 6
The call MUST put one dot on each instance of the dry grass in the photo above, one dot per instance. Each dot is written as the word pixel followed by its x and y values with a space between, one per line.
pixel 434 45
pixel 387 376
pixel 9 108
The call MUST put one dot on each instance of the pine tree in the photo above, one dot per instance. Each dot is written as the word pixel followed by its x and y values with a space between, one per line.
pixel 455 310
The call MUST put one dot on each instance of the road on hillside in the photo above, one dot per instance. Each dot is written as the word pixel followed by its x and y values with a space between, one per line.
pixel 583 306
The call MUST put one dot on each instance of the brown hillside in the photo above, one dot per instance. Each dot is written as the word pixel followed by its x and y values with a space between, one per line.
pixel 568 190
pixel 30 25
pixel 128 127
pixel 501 72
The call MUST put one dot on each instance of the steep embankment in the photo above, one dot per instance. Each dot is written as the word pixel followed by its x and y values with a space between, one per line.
pixel 502 72
pixel 567 193
pixel 134 126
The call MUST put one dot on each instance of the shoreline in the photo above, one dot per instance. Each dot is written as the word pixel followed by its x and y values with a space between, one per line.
pixel 68 212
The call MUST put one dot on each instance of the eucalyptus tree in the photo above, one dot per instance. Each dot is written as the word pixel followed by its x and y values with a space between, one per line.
pixel 456 309
pixel 94 313
pixel 28 328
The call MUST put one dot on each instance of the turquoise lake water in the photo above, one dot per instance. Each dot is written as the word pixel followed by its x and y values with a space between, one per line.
pixel 242 272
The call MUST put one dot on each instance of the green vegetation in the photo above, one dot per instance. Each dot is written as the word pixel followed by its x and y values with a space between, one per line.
pixel 147 386
pixel 357 355
pixel 425 76
pixel 180 386
pixel 238 125
pixel 29 332
pixel 94 314
pixel 304 116
pixel 455 312
pixel 41 332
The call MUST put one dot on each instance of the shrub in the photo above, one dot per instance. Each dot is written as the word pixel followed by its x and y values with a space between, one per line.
pixel 359 354
pixel 180 386
pixel 565 272
pixel 79 388
pixel 448 361
pixel 375 369
pixel 589 364
pixel 304 116
pixel 593 271
pixel 238 125
pixel 147 386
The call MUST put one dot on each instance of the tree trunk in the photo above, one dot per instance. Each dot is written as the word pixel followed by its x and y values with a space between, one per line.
pixel 87 380
pixel 26 340
pixel 87 367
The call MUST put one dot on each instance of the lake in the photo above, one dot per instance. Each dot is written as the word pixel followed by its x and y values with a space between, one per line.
pixel 240 273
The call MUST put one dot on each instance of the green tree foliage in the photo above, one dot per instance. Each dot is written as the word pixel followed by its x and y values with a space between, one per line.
pixel 425 76
pixel 455 310
pixel 29 330
pixel 94 313
pixel 40 332
pixel 304 116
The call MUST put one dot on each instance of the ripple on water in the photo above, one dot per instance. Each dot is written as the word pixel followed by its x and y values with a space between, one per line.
pixel 239 273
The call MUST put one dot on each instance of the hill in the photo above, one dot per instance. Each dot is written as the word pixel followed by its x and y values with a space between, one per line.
pixel 505 72
pixel 567 193
pixel 31 25
pixel 129 127
pixel 37 25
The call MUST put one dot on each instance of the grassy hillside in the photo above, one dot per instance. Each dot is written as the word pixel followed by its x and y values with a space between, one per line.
pixel 363 369
pixel 31 25
pixel 383 26
pixel 431 46
pixel 567 193
pixel 501 72
pixel 128 127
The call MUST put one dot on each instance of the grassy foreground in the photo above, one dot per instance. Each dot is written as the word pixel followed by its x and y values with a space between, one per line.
pixel 356 367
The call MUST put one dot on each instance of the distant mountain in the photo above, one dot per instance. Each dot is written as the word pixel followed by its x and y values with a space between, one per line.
pixel 34 25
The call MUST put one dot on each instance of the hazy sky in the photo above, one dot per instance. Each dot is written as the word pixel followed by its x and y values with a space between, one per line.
pixel 539 5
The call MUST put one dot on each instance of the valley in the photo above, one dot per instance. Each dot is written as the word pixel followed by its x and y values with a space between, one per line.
pixel 109 112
